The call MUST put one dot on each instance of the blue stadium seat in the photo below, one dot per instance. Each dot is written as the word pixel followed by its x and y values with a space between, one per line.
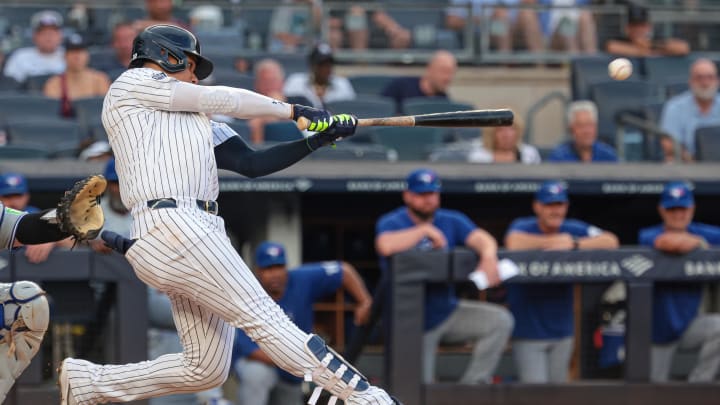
pixel 298 100
pixel 28 105
pixel 282 131
pixel 291 62
pixel 354 151
pixel 54 134
pixel 411 143
pixel 35 84
pixel 9 84
pixel 450 153
pixel 431 105
pixel 88 112
pixel 233 78
pixel 586 71
pixel 614 97
pixel 659 69
pixel 242 129
pixel 707 144
pixel 370 84
pixel 23 152
pixel 257 23
pixel 673 88
pixel 363 107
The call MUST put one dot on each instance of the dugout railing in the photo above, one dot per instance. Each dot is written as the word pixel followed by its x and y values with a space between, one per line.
pixel 639 268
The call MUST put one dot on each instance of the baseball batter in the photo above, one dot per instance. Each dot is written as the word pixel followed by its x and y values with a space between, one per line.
pixel 167 155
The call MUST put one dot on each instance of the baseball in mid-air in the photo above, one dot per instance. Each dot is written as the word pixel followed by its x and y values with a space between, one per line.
pixel 620 69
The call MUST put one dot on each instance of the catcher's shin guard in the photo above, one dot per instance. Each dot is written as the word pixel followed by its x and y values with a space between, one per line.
pixel 336 375
pixel 25 319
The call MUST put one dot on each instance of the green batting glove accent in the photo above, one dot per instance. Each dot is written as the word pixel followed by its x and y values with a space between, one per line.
pixel 319 126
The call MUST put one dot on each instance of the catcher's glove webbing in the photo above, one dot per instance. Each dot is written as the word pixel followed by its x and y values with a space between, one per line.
pixel 78 212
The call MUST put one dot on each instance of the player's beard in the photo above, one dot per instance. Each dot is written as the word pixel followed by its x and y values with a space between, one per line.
pixel 424 216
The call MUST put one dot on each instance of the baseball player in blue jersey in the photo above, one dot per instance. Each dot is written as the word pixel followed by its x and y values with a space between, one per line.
pixel 422 225
pixel 544 318
pixel 676 321
pixel 295 290
pixel 167 154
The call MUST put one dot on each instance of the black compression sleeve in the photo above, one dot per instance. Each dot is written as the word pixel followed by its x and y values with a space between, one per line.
pixel 236 155
pixel 31 230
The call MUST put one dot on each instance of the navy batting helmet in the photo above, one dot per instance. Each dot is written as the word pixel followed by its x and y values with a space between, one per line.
pixel 157 42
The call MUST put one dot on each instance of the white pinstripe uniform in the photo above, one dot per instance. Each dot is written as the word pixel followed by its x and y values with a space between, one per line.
pixel 185 253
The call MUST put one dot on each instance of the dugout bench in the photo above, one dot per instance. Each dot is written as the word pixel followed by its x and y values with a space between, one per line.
pixel 638 267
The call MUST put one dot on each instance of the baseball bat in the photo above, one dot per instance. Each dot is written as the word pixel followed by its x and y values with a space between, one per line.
pixel 456 119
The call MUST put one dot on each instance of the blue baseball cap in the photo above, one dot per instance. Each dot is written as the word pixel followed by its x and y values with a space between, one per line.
pixel 13 183
pixel 552 191
pixel 677 194
pixel 423 181
pixel 110 173
pixel 270 254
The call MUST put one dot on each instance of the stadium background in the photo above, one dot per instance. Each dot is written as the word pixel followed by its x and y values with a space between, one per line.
pixel 326 208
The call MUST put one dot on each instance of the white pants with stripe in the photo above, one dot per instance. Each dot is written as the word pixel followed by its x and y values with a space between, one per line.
pixel 186 254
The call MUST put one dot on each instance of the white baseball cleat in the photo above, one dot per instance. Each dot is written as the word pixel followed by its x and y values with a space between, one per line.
pixel 66 397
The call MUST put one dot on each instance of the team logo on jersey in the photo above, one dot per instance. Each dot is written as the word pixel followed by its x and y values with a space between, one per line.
pixel 159 76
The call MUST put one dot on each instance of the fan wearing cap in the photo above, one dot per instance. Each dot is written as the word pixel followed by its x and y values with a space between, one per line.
pixel 295 290
pixel 78 80
pixel 676 322
pixel 544 318
pixel 638 40
pixel 46 56
pixel 320 86
pixel 291 22
pixel 422 225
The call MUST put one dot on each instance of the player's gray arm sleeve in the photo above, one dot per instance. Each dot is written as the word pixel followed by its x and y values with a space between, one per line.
pixel 239 103
pixel 236 155
pixel 9 220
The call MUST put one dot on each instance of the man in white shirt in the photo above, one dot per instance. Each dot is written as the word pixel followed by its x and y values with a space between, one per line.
pixel 320 86
pixel 47 56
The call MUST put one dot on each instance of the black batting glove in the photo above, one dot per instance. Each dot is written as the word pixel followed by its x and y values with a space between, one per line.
pixel 341 126
pixel 320 120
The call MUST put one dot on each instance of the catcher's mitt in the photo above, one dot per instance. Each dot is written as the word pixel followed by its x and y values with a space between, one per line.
pixel 79 212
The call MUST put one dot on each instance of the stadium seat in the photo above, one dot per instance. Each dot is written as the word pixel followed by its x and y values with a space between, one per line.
pixel 291 62
pixel 88 112
pixel 363 107
pixel 257 24
pixel 282 131
pixel 298 100
pixel 616 97
pixel 707 144
pixel 16 106
pixel 673 88
pixel 424 24
pixel 370 84
pixel 242 129
pixel 23 152
pixel 233 78
pixel 411 143
pixel 586 71
pixel 431 105
pixel 54 134
pixel 35 84
pixel 659 69
pixel 9 84
pixel 450 153
pixel 355 151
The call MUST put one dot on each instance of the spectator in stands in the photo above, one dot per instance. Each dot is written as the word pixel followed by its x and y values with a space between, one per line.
pixel 296 290
pixel 206 18
pixel 292 23
pixel 504 145
pixel 695 108
pixel 365 28
pixel 159 12
pixel 320 86
pixel 676 322
pixel 584 146
pixel 123 34
pixel 422 225
pixel 544 318
pixel 436 80
pixel 46 56
pixel 638 40
pixel 506 24
pixel 78 80
pixel 569 29
pixel 269 81
pixel 14 193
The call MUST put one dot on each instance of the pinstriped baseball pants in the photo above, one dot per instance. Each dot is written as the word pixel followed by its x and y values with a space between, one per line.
pixel 186 254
